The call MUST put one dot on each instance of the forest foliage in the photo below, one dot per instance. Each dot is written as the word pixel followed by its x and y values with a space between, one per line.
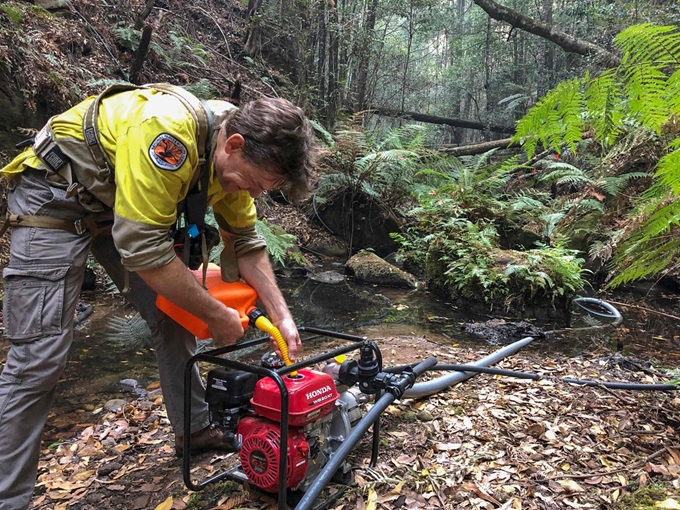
pixel 580 190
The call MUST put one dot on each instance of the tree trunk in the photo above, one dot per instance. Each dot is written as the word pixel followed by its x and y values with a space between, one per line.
pixel 252 35
pixel 433 119
pixel 545 60
pixel 140 54
pixel 323 53
pixel 139 22
pixel 333 92
pixel 365 57
pixel 409 43
pixel 562 39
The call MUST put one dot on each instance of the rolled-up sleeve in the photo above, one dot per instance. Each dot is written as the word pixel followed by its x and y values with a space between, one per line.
pixel 142 246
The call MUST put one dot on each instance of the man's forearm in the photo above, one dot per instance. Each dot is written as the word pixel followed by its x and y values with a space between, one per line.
pixel 176 283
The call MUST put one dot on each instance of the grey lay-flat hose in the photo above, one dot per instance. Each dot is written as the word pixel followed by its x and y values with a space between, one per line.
pixel 425 389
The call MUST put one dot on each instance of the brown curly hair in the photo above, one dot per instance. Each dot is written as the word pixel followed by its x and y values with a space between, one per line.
pixel 278 136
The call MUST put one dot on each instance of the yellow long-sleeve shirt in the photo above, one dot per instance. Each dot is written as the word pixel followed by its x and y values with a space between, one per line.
pixel 150 137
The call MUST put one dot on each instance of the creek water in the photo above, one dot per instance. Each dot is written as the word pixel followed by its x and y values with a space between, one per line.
pixel 97 363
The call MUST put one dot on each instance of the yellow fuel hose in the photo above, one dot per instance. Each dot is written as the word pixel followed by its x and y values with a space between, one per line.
pixel 261 322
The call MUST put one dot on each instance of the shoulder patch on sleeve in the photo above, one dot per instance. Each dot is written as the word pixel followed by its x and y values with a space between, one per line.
pixel 167 152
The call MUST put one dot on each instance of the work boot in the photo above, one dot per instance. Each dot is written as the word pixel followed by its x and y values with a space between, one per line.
pixel 209 438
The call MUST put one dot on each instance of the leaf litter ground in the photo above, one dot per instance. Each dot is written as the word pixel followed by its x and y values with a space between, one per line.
pixel 490 442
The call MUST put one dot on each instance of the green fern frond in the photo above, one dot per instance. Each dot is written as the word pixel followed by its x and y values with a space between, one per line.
pixel 524 203
pixel 515 268
pixel 203 89
pixel 439 174
pixel 369 190
pixel 590 204
pixel 482 160
pixel 512 164
pixel 555 119
pixel 514 100
pixel 649 43
pixel 673 93
pixel 408 137
pixel 604 105
pixel 130 332
pixel 550 221
pixel 374 159
pixel 645 88
pixel 667 171
pixel 564 173
pixel 645 259
pixel 278 241
pixel 127 37
pixel 612 185
pixel 321 132
pixel 661 221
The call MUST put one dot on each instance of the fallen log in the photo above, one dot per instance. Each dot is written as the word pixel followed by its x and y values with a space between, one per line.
pixel 434 119
pixel 479 148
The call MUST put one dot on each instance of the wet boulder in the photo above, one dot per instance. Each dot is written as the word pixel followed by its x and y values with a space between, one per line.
pixel 500 331
pixel 330 277
pixel 367 267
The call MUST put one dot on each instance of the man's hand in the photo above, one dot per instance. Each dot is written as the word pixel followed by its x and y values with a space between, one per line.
pixel 225 327
pixel 256 270
pixel 291 335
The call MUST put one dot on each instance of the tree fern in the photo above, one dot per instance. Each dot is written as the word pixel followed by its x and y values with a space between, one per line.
pixel 550 221
pixel 590 204
pixel 130 332
pixel 643 259
pixel 673 93
pixel 515 100
pixel 203 89
pixel 525 203
pixel 661 222
pixel 645 88
pixel 667 171
pixel 278 241
pixel 642 93
pixel 604 109
pixel 322 133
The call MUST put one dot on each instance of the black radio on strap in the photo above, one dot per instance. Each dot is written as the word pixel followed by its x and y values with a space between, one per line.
pixel 199 238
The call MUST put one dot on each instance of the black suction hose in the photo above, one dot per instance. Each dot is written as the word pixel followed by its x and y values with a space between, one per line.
pixel 339 456
pixel 590 305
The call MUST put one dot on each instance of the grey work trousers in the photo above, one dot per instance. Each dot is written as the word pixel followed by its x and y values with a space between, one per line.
pixel 42 284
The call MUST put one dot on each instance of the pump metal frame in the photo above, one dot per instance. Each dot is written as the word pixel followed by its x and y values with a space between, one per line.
pixel 214 358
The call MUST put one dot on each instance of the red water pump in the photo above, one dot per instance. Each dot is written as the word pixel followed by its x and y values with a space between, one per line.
pixel 248 409
pixel 311 396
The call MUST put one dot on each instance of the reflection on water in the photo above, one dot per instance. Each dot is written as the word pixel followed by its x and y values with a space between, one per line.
pixel 337 306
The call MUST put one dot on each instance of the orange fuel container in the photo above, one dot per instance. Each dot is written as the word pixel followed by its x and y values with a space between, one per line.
pixel 237 295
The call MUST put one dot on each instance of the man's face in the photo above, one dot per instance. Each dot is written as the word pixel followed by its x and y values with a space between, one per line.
pixel 236 174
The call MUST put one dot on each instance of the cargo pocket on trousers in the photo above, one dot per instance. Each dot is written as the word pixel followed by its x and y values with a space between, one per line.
pixel 34 301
